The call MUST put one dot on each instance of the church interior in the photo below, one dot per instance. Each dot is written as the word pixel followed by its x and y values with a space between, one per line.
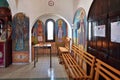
pixel 59 40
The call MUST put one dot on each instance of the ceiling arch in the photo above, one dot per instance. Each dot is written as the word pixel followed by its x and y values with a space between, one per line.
pixel 55 16
pixel 13 6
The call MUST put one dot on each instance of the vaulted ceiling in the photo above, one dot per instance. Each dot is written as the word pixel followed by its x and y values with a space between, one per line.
pixel 58 4
pixel 36 8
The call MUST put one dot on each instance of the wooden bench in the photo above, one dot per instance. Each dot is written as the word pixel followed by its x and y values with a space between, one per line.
pixel 74 64
pixel 74 70
pixel 64 49
pixel 104 71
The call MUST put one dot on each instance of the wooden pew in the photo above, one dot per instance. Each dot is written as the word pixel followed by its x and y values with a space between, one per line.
pixel 74 64
pixel 73 69
pixel 64 49
pixel 104 71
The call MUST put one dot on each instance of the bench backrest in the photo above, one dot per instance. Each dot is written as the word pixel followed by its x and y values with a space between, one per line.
pixel 106 71
pixel 101 69
pixel 84 59
pixel 67 42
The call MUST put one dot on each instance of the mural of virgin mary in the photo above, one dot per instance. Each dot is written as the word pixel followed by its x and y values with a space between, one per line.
pixel 79 32
pixel 81 29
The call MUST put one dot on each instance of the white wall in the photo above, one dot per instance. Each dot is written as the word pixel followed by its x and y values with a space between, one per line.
pixel 13 7
pixel 36 8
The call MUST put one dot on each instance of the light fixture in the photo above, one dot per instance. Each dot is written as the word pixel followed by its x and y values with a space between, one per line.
pixel 51 3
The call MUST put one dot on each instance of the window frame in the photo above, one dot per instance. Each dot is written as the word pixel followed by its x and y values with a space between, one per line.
pixel 46 30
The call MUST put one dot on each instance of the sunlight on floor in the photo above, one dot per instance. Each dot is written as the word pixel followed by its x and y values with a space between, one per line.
pixel 42 71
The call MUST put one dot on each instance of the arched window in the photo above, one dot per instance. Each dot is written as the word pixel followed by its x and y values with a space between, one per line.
pixel 50 30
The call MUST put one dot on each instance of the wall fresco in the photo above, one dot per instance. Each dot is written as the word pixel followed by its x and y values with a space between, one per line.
pixel 80 25
pixel 20 36
pixel 61 30
pixel 38 32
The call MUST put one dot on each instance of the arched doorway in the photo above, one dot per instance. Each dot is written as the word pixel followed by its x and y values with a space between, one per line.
pixel 43 18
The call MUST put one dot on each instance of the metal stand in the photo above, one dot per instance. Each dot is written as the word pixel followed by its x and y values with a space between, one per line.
pixel 36 47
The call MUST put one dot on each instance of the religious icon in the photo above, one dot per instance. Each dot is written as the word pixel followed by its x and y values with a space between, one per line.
pixel 20 33
pixel 81 30
pixel 39 31
pixel 60 31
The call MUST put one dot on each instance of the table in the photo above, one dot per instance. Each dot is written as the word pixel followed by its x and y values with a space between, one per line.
pixel 43 46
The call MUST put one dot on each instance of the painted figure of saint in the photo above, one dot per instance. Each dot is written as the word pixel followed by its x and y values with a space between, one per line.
pixel 21 30
pixel 81 30
pixel 60 31
pixel 39 31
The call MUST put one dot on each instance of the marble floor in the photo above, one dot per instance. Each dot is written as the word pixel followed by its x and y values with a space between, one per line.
pixel 42 71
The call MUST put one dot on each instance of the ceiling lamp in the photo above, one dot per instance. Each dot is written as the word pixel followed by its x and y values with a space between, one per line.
pixel 51 3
